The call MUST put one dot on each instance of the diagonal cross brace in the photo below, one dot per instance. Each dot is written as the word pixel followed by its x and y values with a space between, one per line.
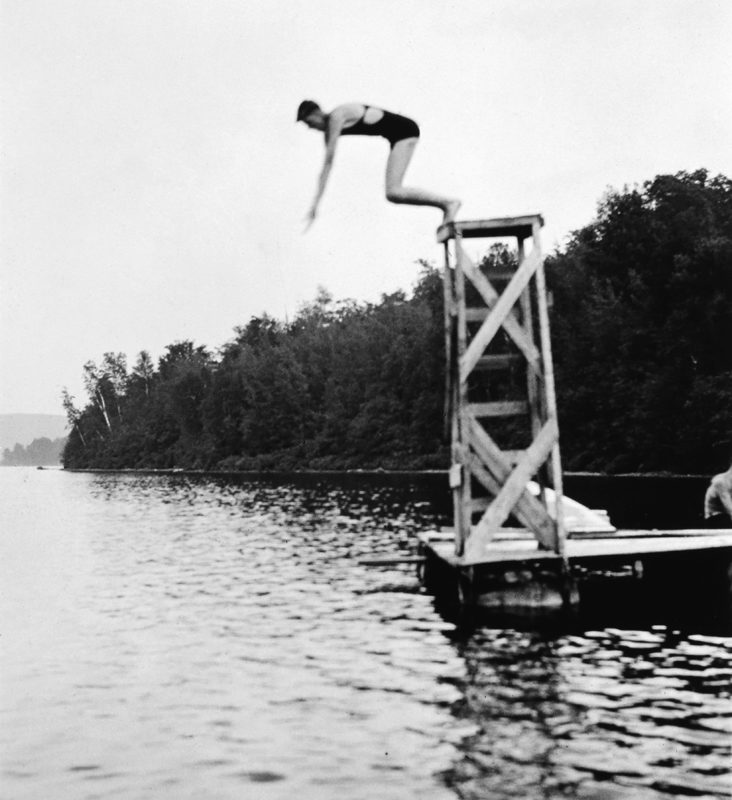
pixel 528 509
pixel 499 314
pixel 507 318
pixel 516 483
pixel 492 469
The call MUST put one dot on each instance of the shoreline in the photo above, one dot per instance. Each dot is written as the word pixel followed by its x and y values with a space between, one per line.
pixel 361 472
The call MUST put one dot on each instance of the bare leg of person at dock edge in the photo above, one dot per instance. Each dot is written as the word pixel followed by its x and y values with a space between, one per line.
pixel 399 158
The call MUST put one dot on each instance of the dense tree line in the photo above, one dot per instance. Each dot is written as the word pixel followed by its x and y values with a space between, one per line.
pixel 344 384
pixel 642 334
pixel 42 452
pixel 642 329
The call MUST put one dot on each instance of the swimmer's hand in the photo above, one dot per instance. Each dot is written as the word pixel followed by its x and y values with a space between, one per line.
pixel 310 218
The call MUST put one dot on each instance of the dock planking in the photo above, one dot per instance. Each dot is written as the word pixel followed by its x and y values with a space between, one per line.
pixel 584 549
pixel 513 575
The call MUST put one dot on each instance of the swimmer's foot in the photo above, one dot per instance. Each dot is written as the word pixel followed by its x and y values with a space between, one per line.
pixel 452 208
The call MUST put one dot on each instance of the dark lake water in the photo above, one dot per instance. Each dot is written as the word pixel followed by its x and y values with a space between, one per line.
pixel 170 637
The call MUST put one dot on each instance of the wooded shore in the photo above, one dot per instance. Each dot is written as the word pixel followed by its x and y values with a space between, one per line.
pixel 641 321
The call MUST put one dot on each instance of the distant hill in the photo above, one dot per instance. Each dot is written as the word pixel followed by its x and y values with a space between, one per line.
pixel 40 452
pixel 24 428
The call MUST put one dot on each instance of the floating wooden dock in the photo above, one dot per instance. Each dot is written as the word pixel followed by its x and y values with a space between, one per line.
pixel 516 576
pixel 499 365
pixel 593 550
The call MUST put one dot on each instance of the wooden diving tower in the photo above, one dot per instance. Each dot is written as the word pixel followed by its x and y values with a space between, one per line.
pixel 509 548
pixel 499 366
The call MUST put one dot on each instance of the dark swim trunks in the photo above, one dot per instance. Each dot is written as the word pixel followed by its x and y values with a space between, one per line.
pixel 393 127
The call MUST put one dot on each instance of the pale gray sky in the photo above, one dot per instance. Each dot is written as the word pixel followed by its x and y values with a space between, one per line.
pixel 154 182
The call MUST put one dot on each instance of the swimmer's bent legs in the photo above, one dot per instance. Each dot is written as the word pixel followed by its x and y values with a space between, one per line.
pixel 396 165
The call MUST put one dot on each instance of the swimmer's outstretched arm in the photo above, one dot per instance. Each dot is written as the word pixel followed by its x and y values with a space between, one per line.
pixel 333 129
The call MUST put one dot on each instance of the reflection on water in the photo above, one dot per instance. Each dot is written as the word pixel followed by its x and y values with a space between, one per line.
pixel 167 637
pixel 639 712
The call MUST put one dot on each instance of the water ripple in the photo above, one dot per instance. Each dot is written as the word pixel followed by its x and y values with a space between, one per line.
pixel 172 637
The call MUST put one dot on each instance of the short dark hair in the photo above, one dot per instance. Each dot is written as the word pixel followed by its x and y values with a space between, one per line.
pixel 305 108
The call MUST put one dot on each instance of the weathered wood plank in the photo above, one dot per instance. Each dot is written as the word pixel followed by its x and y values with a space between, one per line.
pixel 475 314
pixel 533 385
pixel 497 227
pixel 390 561
pixel 503 408
pixel 589 551
pixel 462 492
pixel 499 361
pixel 550 400
pixel 502 275
pixel 449 319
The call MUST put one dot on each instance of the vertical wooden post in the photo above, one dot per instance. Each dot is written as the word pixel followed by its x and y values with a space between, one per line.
pixel 536 404
pixel 452 385
pixel 448 294
pixel 460 438
pixel 532 382
pixel 549 394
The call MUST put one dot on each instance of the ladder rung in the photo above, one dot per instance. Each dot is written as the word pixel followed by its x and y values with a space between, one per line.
pixel 476 314
pixel 479 503
pixel 507 408
pixel 499 361
pixel 513 456
pixel 499 274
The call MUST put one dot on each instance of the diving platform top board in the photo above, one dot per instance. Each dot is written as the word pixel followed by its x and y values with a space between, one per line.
pixel 499 227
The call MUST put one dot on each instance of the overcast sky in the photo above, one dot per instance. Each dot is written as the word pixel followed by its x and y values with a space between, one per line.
pixel 154 182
